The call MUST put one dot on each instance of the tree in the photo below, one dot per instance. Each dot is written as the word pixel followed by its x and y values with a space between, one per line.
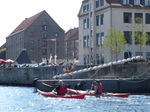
pixel 141 36
pixel 3 53
pixel 114 41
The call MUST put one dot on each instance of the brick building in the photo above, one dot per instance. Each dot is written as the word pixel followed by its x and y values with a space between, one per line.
pixel 40 35
pixel 71 44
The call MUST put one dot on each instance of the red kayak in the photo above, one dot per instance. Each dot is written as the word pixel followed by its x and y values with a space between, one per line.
pixel 52 94
pixel 80 92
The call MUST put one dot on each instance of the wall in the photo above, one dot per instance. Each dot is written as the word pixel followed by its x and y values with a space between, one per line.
pixel 27 75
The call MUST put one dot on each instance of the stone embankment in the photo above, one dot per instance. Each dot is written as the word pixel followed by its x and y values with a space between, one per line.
pixel 25 76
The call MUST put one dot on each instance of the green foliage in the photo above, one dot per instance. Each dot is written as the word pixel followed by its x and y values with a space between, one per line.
pixel 141 36
pixel 3 53
pixel 114 41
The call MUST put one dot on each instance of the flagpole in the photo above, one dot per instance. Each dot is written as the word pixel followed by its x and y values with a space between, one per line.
pixel 55 48
pixel 55 52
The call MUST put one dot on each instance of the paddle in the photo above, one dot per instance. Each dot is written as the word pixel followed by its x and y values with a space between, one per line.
pixel 46 84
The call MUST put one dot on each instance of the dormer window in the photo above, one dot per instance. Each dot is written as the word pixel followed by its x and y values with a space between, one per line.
pixel 126 2
pixel 136 2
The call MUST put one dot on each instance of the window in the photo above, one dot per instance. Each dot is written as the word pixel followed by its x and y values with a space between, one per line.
pixel 102 38
pixel 44 21
pixel 140 16
pixel 86 41
pixel 148 42
pixel 97 20
pixel 102 58
pixel 44 27
pixel 127 36
pixel 56 34
pixel 136 2
pixel 44 36
pixel 127 17
pixel 91 33
pixel 44 51
pixel 85 60
pixel 102 19
pixel 99 3
pixel 125 2
pixel 86 23
pixel 138 53
pixel 86 8
pixel 147 55
pixel 44 43
pixel 135 38
pixel 97 59
pixel 97 39
pixel 147 18
pixel 32 42
pixel 147 2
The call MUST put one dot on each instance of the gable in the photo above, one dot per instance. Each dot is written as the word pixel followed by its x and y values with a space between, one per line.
pixel 25 24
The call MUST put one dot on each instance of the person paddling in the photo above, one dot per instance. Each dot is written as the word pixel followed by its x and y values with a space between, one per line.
pixel 80 85
pixel 97 87
pixel 61 89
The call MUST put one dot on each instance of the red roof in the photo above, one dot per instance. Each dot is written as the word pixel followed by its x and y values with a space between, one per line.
pixel 25 24
pixel 71 34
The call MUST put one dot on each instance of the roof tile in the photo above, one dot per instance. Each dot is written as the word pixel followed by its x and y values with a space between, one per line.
pixel 25 24
pixel 70 34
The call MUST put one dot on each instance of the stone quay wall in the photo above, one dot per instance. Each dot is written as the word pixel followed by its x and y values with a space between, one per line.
pixel 25 76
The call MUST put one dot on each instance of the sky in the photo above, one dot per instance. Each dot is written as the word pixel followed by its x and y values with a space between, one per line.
pixel 13 12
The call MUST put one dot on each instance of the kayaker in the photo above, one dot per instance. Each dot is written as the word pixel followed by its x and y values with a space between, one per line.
pixel 80 85
pixel 61 89
pixel 97 87
pixel 35 84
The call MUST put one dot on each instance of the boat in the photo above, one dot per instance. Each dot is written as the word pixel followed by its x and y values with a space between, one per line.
pixel 53 94
pixel 80 92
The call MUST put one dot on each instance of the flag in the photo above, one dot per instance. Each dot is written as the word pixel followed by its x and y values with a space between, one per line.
pixel 52 39
pixel 76 41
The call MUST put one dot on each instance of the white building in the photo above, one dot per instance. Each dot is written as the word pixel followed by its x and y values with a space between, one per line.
pixel 97 16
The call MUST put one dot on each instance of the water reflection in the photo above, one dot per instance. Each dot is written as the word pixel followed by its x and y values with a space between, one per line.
pixel 22 99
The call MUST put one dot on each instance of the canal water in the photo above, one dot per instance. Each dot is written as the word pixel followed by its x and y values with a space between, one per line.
pixel 22 99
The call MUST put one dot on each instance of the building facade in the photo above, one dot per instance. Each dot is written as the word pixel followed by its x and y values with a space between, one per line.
pixel 71 44
pixel 97 16
pixel 40 35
